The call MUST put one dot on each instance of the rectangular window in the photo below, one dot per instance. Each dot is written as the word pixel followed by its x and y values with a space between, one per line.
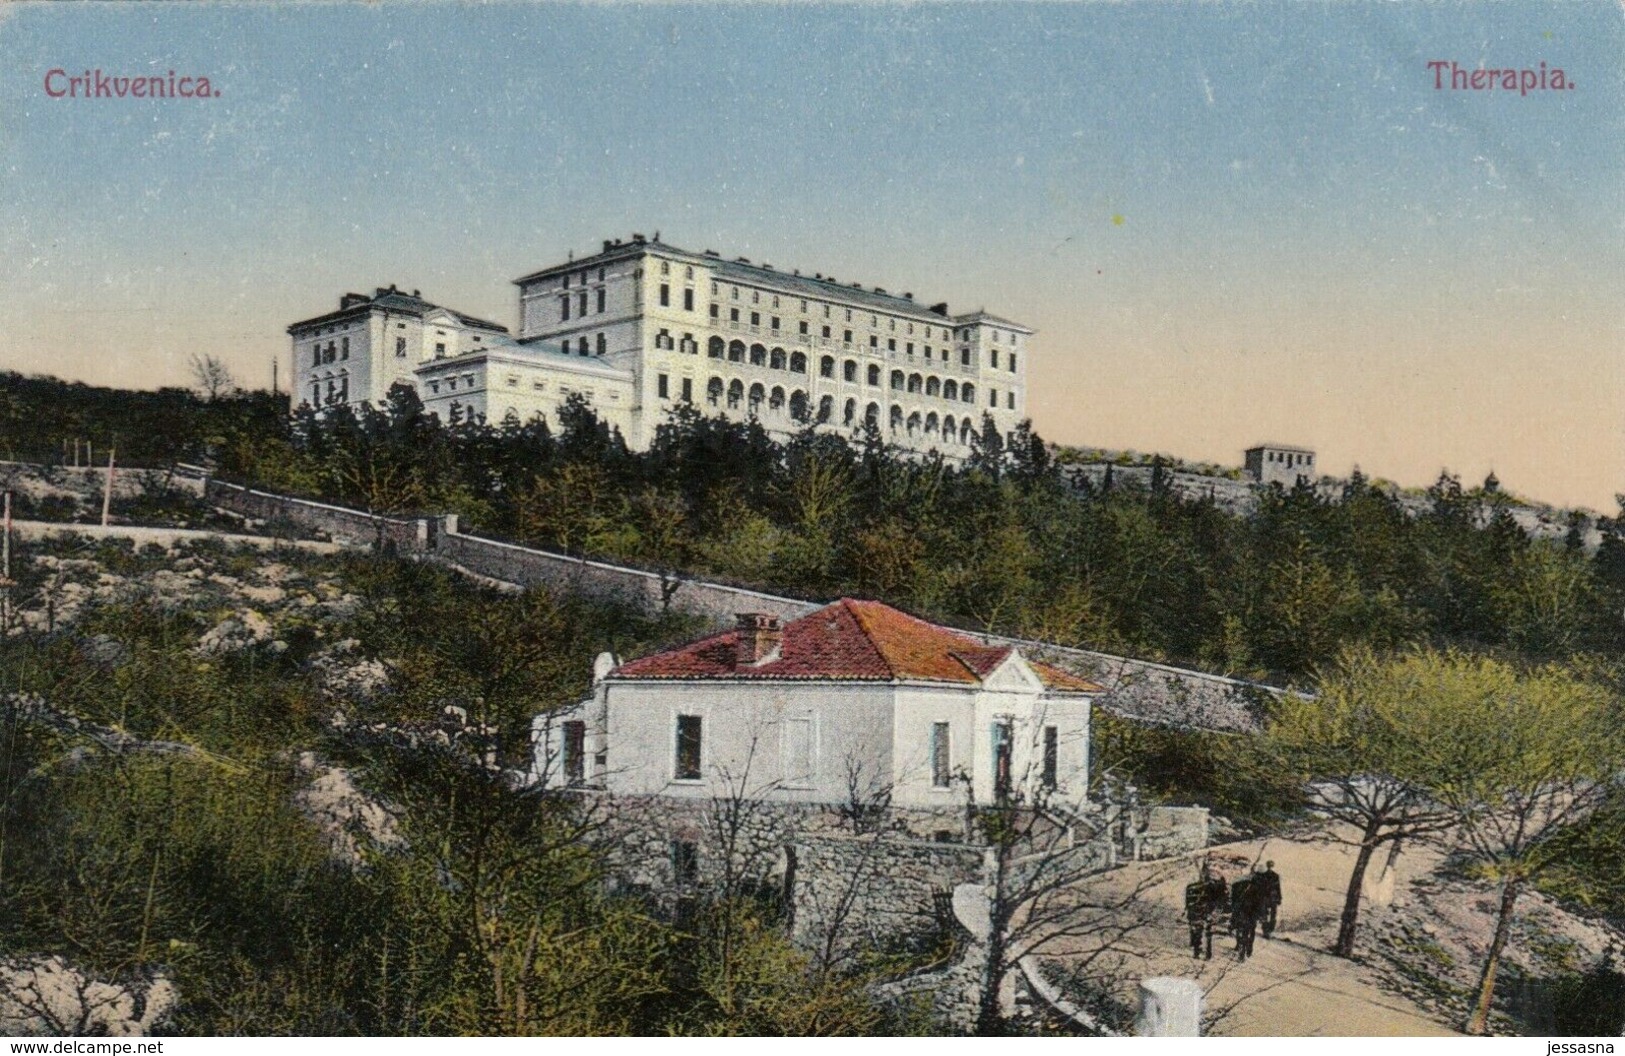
pixel 941 763
pixel 581 305
pixel 1012 362
pixel 964 357
pixel 575 752
pixel 1001 737
pixel 798 751
pixel 344 349
pixel 600 298
pixel 688 300
pixel 804 328
pixel 774 323
pixel 995 359
pixel 992 397
pixel 733 315
pixel 564 308
pixel 755 318
pixel 1010 400
pixel 1052 756
pixel 439 349
pixel 891 345
pixel 400 348
pixel 688 390
pixel 664 386
pixel 665 295
pixel 688 748
pixel 714 311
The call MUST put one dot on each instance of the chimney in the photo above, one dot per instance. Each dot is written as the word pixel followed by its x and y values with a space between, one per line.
pixel 608 245
pixel 940 309
pixel 760 636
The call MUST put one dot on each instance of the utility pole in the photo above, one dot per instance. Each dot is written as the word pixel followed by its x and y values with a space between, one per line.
pixel 274 364
pixel 107 492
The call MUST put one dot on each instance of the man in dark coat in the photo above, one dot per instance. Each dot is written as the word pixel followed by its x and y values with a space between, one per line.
pixel 1244 905
pixel 1272 897
pixel 1204 900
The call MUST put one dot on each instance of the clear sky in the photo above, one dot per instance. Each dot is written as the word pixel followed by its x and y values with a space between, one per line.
pixel 1229 222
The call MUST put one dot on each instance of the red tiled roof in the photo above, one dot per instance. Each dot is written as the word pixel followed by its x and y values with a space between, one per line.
pixel 848 640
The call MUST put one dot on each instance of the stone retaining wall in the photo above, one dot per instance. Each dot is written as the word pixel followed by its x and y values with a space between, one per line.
pixel 1136 689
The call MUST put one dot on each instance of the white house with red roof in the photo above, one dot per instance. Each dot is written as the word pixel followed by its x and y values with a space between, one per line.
pixel 853 695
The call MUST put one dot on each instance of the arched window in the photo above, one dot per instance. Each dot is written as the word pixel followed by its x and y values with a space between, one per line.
pixel 850 412
pixel 775 359
pixel 915 383
pixel 896 417
pixel 826 367
pixel 798 405
pixel 914 423
pixel 714 348
pixel 874 374
pixel 931 424
pixel 933 387
pixel 897 380
pixel 871 414
pixel 758 355
pixel 775 399
pixel 713 391
pixel 967 393
pixel 736 351
pixel 757 393
pixel 736 392
pixel 826 408
pixel 581 346
pixel 849 370
pixel 798 362
pixel 966 430
pixel 950 390
pixel 948 430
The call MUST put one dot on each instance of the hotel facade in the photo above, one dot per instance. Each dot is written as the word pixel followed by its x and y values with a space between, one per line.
pixel 642 327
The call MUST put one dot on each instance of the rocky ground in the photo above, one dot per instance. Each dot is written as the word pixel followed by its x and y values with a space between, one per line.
pixel 247 601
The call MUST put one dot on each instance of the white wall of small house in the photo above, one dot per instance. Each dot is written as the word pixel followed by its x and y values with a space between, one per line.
pixel 884 728
pixel 745 737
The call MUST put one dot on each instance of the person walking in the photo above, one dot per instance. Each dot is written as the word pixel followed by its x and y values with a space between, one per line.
pixel 1244 914
pixel 1204 900
pixel 1271 899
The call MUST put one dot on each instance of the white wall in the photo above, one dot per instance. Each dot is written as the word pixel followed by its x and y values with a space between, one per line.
pixel 743 737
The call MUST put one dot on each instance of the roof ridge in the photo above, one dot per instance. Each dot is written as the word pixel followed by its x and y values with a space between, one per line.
pixel 851 607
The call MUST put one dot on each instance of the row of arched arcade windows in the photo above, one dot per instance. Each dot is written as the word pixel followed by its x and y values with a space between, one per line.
pixel 757 398
pixel 757 355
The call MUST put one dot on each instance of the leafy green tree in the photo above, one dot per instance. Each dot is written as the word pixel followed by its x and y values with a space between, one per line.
pixel 1533 754
pixel 1363 746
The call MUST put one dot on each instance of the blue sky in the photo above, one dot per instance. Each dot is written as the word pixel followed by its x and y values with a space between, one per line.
pixel 1229 222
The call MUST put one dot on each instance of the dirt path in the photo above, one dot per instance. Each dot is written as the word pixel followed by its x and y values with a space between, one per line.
pixel 1291 986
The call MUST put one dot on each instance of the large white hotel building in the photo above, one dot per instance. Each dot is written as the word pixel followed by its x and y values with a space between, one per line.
pixel 642 326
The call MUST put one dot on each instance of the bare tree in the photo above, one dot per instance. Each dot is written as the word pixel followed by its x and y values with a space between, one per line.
pixel 211 377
